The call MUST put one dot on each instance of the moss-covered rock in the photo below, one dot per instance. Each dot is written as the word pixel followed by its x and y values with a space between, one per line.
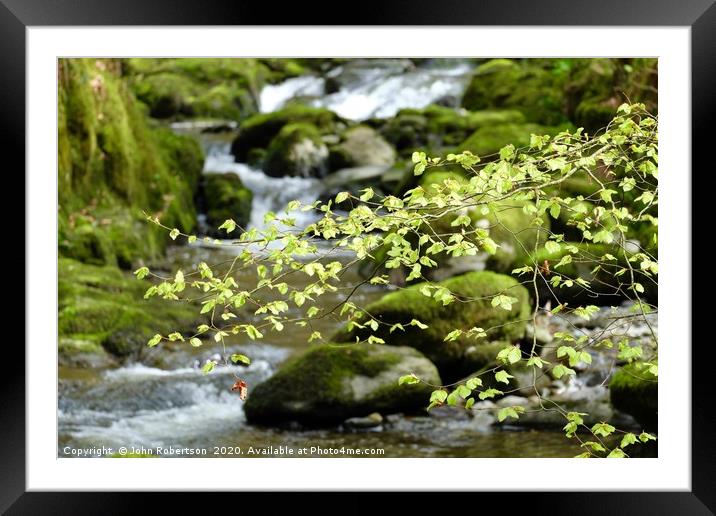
pixel 437 127
pixel 488 140
pixel 102 307
pixel 205 87
pixel 113 165
pixel 586 91
pixel 223 196
pixel 361 146
pixel 475 292
pixel 297 150
pixel 634 390
pixel 532 86
pixel 331 383
pixel 258 131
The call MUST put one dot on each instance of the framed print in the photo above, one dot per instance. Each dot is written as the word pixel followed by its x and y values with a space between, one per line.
pixel 273 252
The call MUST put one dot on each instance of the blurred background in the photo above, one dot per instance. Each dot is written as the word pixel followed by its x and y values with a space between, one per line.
pixel 196 141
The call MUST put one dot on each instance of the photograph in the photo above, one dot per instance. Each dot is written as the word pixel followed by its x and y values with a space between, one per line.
pixel 357 257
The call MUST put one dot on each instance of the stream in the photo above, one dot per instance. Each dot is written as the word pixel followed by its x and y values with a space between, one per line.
pixel 164 400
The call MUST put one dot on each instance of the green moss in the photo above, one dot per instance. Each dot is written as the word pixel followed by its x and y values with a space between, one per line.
pixel 330 383
pixel 554 91
pixel 206 87
pixel 297 150
pixel 451 357
pixel 635 391
pixel 101 306
pixel 113 165
pixel 436 128
pixel 532 86
pixel 226 197
pixel 489 140
pixel 259 130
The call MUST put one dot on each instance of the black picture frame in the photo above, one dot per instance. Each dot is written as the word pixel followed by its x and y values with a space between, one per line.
pixel 17 15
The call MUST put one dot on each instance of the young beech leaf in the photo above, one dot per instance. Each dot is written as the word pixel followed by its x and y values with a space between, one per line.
pixel 195 342
pixel 174 233
pixel 503 376
pixel 408 379
pixel 238 358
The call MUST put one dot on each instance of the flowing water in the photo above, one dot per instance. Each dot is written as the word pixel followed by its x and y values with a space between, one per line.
pixel 163 400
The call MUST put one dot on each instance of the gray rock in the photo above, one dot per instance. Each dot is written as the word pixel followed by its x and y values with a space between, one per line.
pixel 370 421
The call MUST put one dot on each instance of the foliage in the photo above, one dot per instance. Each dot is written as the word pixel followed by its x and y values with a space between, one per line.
pixel 621 160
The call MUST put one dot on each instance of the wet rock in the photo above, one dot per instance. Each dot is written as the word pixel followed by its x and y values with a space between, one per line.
pixel 331 383
pixel 370 421
pixel 361 146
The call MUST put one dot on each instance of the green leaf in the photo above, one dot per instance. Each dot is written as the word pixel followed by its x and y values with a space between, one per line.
pixel 438 396
pixel 417 323
pixel 208 366
pixel 195 342
pixel 503 301
pixel 602 429
pixel 512 412
pixel 552 247
pixel 473 383
pixel 644 437
pixel 616 453
pixel 342 196
pixel 627 440
pixel 229 225
pixel 503 376
pixel 489 393
pixel 236 358
pixel 154 340
pixel 141 273
pixel 174 233
pixel 408 379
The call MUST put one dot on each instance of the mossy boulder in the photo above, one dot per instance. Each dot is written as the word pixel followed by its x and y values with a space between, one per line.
pixel 258 131
pixel 361 146
pixel 331 383
pixel 530 85
pixel 634 390
pixel 101 307
pixel 592 264
pixel 488 140
pixel 201 87
pixel 225 197
pixel 437 127
pixel 473 308
pixel 297 150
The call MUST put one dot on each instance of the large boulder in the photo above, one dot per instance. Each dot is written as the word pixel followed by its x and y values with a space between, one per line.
pixel 488 140
pixel 438 127
pixel 331 383
pixel 473 308
pixel 361 146
pixel 225 197
pixel 258 131
pixel 297 150
pixel 634 390
pixel 528 85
